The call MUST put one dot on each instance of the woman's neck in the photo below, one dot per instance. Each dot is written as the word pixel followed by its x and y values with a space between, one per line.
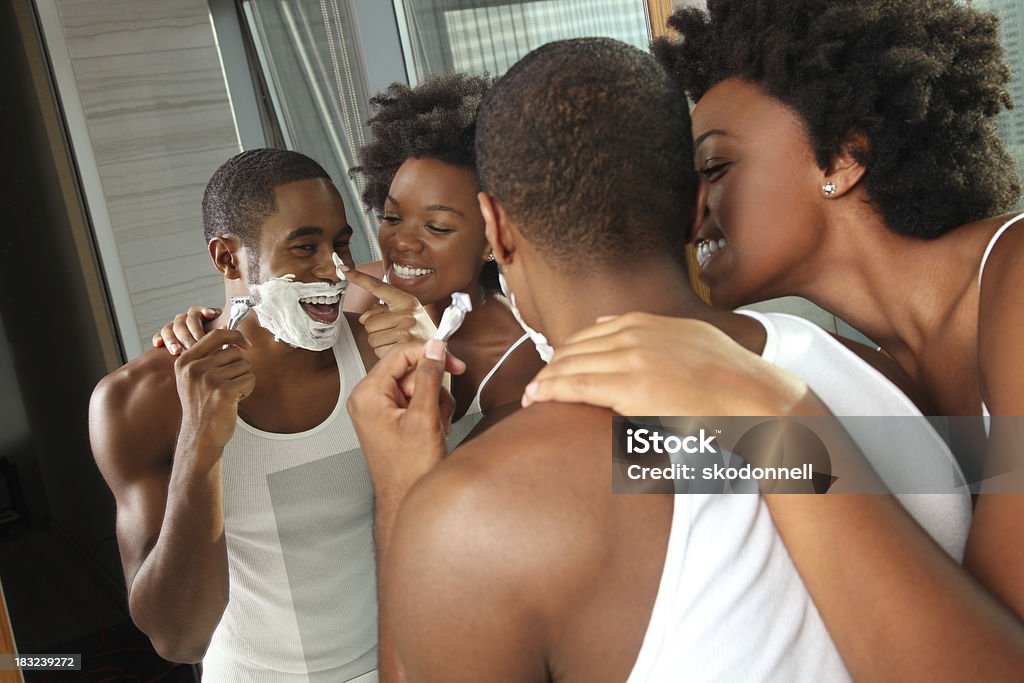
pixel 916 298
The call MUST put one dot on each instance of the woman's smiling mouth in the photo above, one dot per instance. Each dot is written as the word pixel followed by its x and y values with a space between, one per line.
pixel 409 274
pixel 707 248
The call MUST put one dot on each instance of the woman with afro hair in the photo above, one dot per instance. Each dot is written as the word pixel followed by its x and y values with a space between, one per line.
pixel 420 179
pixel 849 155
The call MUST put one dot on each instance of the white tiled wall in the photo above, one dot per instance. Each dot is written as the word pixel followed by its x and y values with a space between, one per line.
pixel 150 120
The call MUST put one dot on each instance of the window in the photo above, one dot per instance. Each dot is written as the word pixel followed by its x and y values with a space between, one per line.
pixel 313 63
pixel 1011 34
pixel 314 86
pixel 480 36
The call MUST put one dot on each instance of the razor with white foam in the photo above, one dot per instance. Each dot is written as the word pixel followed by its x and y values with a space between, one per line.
pixel 240 307
pixel 453 316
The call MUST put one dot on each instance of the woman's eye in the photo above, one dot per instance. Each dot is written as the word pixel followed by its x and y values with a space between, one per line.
pixel 714 171
pixel 389 218
pixel 437 229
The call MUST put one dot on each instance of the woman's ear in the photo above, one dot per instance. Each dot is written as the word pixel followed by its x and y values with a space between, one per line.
pixel 847 166
pixel 497 228
pixel 228 256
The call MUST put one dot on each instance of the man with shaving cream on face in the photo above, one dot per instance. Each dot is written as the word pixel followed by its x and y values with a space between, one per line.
pixel 244 506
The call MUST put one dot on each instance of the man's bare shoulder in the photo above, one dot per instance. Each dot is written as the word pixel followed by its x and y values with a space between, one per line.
pixel 487 546
pixel 550 436
pixel 527 497
pixel 147 378
pixel 547 467
pixel 136 404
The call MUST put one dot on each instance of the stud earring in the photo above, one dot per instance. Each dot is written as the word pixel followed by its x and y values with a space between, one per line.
pixel 490 256
pixel 829 189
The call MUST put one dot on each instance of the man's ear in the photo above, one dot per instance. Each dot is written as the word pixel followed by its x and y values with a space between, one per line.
pixel 498 229
pixel 228 255
pixel 847 166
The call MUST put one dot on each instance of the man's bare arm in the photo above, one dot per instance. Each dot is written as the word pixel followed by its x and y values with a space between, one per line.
pixel 170 524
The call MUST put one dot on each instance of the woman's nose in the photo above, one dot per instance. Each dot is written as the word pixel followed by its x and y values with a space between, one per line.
pixel 406 239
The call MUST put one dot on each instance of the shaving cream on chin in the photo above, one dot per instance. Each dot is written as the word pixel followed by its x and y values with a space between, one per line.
pixel 279 311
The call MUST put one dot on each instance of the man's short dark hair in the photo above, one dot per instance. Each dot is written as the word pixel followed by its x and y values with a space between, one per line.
pixel 587 144
pixel 923 80
pixel 240 195
pixel 435 120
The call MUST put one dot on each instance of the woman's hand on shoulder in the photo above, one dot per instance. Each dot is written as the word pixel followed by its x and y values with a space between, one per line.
pixel 186 329
pixel 643 364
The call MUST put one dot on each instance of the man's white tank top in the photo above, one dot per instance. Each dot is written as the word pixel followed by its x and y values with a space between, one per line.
pixel 730 604
pixel 298 519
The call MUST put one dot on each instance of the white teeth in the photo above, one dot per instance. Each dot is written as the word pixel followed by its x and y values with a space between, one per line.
pixel 707 248
pixel 321 299
pixel 408 271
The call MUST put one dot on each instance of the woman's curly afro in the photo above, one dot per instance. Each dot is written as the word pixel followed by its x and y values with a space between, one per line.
pixel 436 119
pixel 921 80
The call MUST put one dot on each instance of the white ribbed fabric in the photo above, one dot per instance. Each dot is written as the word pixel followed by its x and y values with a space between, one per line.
pixel 907 454
pixel 298 517
pixel 731 605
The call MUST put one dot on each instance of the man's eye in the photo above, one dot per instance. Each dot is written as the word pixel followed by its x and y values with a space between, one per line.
pixel 305 247
pixel 713 172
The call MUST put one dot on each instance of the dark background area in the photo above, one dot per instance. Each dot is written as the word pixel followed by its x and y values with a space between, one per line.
pixel 59 566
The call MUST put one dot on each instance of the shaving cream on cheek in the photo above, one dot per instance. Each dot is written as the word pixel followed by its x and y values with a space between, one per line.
pixel 279 311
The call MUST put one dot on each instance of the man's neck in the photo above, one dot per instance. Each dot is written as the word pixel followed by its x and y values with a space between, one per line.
pixel 661 286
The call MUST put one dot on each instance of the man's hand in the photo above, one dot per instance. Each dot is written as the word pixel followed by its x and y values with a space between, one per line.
pixel 212 378
pixel 642 364
pixel 401 318
pixel 402 415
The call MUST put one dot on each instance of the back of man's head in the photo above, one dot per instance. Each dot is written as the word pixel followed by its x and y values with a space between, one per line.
pixel 587 145
pixel 240 195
